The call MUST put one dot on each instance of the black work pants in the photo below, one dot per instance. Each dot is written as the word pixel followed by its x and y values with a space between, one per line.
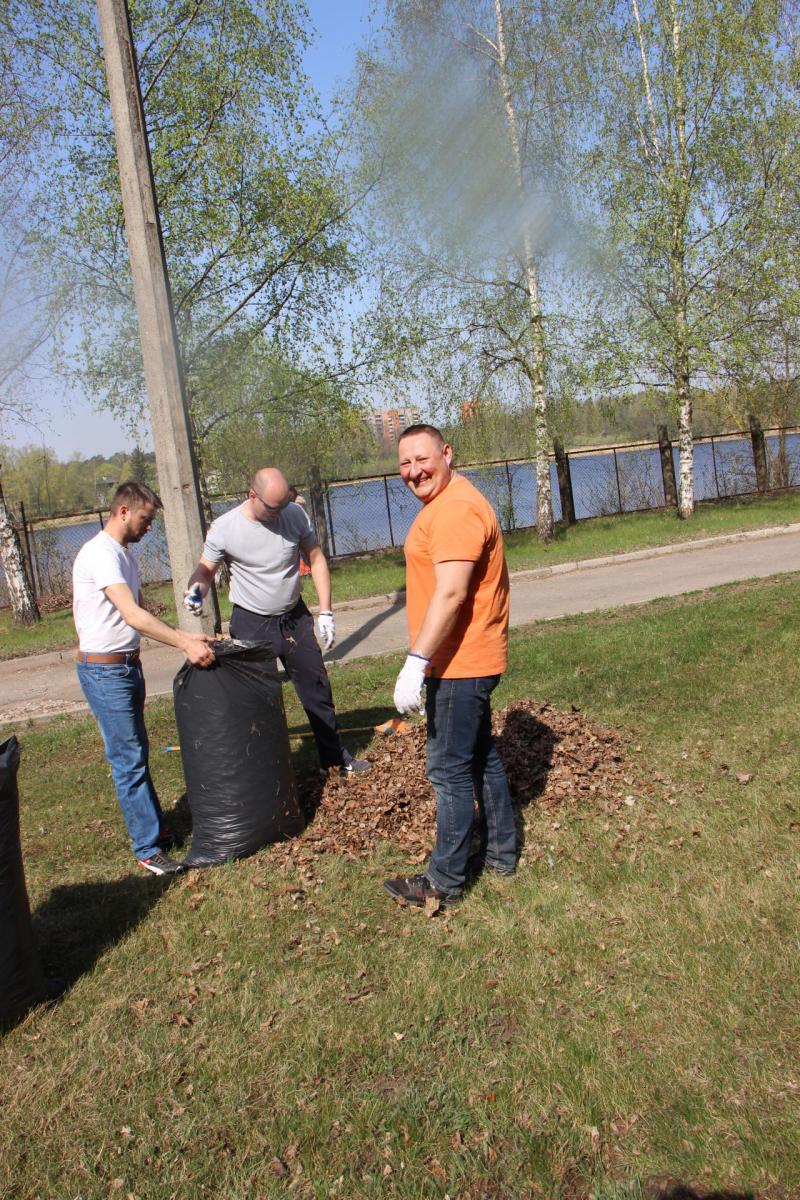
pixel 291 639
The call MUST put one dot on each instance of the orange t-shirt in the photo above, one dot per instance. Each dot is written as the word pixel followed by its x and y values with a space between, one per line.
pixel 460 525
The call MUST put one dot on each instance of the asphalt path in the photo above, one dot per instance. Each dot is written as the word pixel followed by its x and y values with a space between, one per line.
pixel 46 685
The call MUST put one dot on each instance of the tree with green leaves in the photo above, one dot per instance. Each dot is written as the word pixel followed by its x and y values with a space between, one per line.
pixel 466 113
pixel 253 202
pixel 761 352
pixel 679 168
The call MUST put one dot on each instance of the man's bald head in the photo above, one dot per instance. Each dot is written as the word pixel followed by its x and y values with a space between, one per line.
pixel 271 487
pixel 268 494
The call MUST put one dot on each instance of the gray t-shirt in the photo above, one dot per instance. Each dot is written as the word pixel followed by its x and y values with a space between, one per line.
pixel 264 557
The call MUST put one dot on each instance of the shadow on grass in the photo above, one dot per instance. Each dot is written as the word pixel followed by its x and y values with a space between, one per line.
pixel 78 922
pixel 526 748
pixel 357 731
pixel 671 1190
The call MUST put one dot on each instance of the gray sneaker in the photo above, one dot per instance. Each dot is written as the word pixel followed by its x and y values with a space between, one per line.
pixel 351 765
pixel 161 864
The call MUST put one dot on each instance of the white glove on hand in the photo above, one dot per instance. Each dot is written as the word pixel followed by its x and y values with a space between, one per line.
pixel 408 689
pixel 193 600
pixel 326 629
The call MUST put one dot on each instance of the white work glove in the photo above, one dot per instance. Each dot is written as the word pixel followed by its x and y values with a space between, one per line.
pixel 326 629
pixel 408 689
pixel 193 600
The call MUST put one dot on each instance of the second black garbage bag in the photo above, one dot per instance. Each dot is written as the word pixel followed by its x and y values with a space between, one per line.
pixel 22 982
pixel 235 751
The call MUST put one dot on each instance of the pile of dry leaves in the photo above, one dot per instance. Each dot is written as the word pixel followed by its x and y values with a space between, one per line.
pixel 552 758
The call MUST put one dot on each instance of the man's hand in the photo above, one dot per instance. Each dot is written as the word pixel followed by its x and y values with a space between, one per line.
pixel 196 647
pixel 193 600
pixel 408 689
pixel 326 629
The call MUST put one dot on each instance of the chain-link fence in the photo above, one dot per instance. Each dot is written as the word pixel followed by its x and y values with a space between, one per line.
pixel 358 516
pixel 51 544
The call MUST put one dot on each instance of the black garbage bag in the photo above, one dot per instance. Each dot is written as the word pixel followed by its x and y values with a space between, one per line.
pixel 235 751
pixel 22 982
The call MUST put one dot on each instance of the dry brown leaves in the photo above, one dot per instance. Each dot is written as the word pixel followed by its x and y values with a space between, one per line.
pixel 557 762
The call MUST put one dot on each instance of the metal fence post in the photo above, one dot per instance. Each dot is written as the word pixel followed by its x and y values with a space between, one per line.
pixel 512 517
pixel 619 489
pixel 759 453
pixel 28 558
pixel 388 510
pixel 564 482
pixel 331 533
pixel 667 467
pixel 318 509
pixel 714 464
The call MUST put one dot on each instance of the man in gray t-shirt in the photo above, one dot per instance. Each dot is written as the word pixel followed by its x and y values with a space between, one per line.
pixel 261 541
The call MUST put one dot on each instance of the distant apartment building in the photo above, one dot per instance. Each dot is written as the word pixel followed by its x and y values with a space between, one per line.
pixel 386 424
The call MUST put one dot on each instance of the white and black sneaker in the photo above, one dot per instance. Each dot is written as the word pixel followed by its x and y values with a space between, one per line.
pixel 161 864
pixel 350 765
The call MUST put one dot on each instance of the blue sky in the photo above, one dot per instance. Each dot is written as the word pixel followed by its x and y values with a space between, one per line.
pixel 66 421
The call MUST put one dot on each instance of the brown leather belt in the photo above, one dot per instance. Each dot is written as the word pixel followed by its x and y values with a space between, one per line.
pixel 88 656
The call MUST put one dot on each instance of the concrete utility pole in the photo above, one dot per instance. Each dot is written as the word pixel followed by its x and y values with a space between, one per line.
pixel 175 461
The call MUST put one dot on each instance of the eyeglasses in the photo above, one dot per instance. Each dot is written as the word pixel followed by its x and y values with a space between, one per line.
pixel 273 508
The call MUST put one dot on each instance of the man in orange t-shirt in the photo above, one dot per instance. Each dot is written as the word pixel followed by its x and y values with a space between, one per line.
pixel 457 598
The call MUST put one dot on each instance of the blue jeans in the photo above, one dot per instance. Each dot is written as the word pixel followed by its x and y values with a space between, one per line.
pixel 463 765
pixel 115 694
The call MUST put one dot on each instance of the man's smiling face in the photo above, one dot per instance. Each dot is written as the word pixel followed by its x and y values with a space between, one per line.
pixel 424 465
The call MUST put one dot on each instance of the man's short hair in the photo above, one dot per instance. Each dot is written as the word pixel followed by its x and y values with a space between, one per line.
pixel 134 495
pixel 431 430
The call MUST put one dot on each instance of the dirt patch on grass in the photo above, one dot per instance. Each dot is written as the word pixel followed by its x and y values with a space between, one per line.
pixel 553 759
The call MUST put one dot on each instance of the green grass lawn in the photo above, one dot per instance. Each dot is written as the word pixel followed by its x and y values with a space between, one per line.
pixel 383 573
pixel 625 1008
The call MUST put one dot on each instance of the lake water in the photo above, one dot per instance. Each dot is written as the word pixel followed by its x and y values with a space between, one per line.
pixel 372 514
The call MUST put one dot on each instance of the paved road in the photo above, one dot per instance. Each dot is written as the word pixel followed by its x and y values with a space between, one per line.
pixel 45 685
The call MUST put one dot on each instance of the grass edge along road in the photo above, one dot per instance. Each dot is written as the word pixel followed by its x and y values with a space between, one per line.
pixel 624 1008
pixel 383 573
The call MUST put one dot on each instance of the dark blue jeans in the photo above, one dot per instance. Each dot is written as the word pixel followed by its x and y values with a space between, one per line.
pixel 463 765
pixel 115 694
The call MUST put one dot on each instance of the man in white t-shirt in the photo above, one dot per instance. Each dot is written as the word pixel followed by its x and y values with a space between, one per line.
pixel 109 617
pixel 262 541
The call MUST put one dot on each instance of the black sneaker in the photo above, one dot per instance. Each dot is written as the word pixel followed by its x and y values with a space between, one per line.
pixel 348 765
pixel 160 864
pixel 351 765
pixel 416 889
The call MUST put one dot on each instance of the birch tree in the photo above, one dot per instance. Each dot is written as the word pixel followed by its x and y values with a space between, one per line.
pixel 761 352
pixel 24 608
pixel 682 85
pixel 471 183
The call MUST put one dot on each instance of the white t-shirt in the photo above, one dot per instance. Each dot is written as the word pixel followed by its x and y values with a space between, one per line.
pixel 100 563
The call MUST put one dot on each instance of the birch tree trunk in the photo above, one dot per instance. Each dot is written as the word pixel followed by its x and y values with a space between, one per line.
pixel 23 605
pixel 535 369
pixel 680 203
